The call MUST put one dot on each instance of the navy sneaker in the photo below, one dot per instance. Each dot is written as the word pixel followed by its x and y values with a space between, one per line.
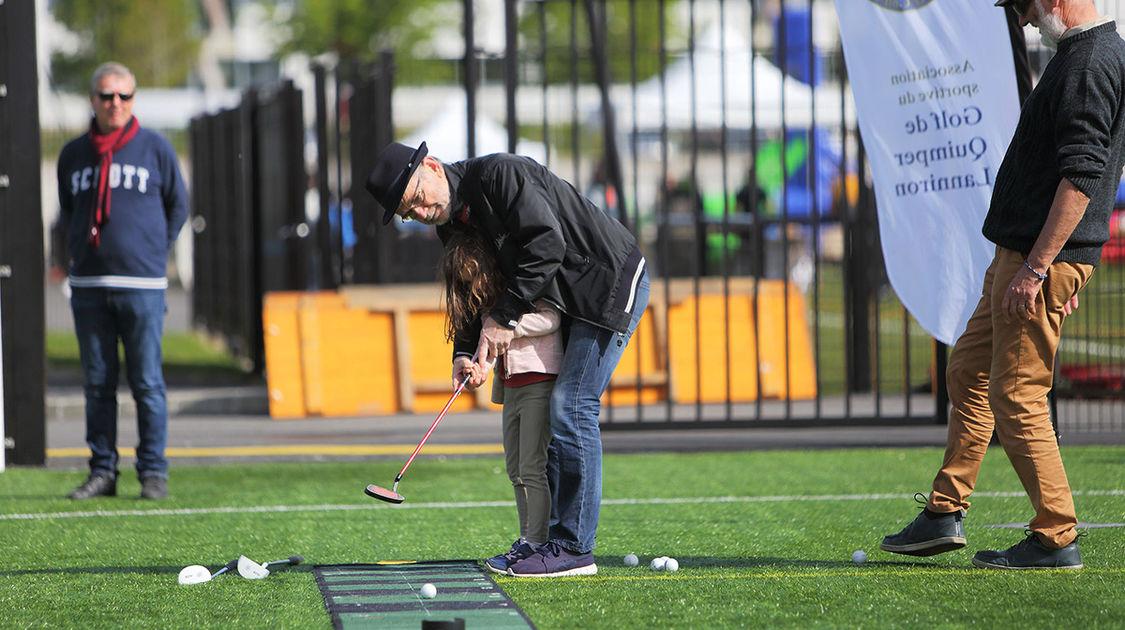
pixel 519 551
pixel 1031 554
pixel 551 560
pixel 928 535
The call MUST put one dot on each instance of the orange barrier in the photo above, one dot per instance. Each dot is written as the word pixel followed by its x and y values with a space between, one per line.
pixel 381 350
pixel 712 348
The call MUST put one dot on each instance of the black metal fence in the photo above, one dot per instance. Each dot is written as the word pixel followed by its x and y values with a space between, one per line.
pixel 763 191
pixel 249 221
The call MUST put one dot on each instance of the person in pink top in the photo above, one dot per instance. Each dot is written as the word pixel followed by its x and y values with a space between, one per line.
pixel 524 378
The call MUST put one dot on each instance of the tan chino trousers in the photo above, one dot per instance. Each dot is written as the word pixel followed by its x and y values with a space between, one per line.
pixel 999 375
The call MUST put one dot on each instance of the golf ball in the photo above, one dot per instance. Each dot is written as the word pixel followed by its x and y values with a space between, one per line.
pixel 631 560
pixel 671 564
pixel 428 591
pixel 859 557
pixel 657 564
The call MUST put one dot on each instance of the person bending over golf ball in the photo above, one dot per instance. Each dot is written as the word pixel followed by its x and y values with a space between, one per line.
pixel 551 244
pixel 525 376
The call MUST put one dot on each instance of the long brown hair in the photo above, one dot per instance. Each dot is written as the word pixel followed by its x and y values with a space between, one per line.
pixel 471 279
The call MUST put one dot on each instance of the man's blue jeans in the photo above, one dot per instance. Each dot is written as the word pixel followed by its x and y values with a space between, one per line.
pixel 574 464
pixel 136 317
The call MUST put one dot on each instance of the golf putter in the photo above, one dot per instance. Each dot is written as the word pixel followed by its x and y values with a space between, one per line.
pixel 291 560
pixel 197 573
pixel 251 570
pixel 392 495
pixel 227 567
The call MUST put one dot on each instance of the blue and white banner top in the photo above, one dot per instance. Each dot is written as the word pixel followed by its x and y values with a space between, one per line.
pixel 935 92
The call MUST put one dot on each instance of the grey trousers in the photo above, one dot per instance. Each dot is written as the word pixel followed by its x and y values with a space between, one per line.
pixel 527 433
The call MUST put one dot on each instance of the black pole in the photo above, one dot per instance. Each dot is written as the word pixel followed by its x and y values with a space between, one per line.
pixel 511 71
pixel 609 124
pixel 941 392
pixel 1019 56
pixel 328 252
pixel 470 67
pixel 22 327
pixel 344 273
pixel 858 279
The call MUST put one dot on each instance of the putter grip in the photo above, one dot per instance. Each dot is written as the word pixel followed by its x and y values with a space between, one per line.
pixel 296 560
pixel 227 567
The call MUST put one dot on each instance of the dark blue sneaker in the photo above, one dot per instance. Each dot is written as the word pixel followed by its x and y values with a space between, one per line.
pixel 519 551
pixel 928 535
pixel 551 560
pixel 1031 554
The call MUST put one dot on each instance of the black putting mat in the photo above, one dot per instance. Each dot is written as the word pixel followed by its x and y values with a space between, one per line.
pixel 386 595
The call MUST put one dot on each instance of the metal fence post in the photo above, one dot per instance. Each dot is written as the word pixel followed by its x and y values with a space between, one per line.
pixel 470 70
pixel 328 240
pixel 21 240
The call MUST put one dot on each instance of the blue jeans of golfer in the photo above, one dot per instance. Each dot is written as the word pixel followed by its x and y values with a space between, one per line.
pixel 574 462
pixel 136 317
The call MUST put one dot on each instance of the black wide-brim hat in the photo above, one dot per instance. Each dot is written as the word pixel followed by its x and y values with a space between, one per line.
pixel 393 168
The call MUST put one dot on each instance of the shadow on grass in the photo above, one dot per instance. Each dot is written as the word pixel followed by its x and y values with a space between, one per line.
pixel 727 562
pixel 155 570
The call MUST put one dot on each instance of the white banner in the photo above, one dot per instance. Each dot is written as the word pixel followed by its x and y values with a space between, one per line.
pixel 935 93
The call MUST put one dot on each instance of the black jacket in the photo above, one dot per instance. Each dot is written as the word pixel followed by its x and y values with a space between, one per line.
pixel 551 242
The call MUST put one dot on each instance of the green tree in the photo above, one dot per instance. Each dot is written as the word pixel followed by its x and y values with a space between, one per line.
pixel 357 30
pixel 566 25
pixel 157 39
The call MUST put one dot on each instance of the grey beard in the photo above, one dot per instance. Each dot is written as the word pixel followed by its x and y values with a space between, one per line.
pixel 1048 40
pixel 1051 28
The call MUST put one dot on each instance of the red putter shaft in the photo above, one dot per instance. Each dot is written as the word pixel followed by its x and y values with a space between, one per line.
pixel 392 495
pixel 441 415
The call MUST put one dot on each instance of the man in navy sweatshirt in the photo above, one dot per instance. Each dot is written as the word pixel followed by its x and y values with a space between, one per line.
pixel 123 202
pixel 1049 218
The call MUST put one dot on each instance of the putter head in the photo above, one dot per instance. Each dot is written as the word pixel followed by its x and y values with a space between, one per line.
pixel 390 496
pixel 194 574
pixel 251 570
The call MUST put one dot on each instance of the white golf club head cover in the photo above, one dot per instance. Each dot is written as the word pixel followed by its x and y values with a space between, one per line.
pixel 194 574
pixel 251 570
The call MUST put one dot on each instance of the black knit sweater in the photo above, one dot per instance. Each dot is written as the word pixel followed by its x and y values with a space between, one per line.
pixel 1073 126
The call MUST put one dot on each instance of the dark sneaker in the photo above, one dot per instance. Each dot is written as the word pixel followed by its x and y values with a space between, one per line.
pixel 96 485
pixel 1029 553
pixel 928 535
pixel 154 487
pixel 551 560
pixel 519 551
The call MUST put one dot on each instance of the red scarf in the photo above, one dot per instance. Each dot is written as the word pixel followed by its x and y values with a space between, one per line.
pixel 105 145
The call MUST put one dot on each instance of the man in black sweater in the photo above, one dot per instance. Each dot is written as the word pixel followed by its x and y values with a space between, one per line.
pixel 1049 218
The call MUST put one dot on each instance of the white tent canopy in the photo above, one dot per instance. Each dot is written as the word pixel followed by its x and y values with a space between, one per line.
pixel 446 135
pixel 720 89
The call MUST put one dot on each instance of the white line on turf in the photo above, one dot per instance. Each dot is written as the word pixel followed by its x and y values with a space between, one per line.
pixel 259 509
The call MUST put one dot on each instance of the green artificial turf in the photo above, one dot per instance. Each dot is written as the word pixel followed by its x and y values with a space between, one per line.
pixel 188 358
pixel 764 539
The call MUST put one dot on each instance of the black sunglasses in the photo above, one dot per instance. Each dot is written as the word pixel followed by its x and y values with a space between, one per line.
pixel 108 96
